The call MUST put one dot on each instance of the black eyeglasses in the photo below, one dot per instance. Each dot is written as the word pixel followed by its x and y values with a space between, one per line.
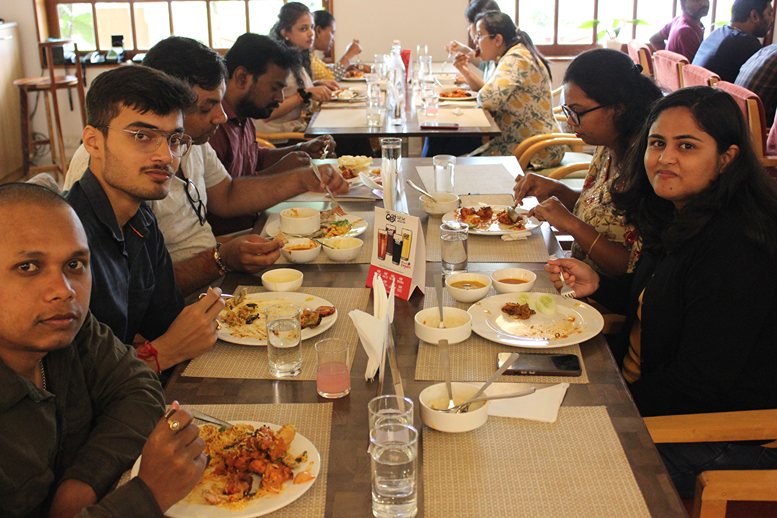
pixel 195 200
pixel 575 116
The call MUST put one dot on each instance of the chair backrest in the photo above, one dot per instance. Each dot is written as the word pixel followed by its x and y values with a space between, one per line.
pixel 753 110
pixel 771 140
pixel 667 68
pixel 642 55
pixel 694 75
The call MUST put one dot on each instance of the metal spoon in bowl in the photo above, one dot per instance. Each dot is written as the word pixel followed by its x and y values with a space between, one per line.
pixel 463 408
pixel 422 191
pixel 506 365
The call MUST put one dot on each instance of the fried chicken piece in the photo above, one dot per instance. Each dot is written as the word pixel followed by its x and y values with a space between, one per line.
pixel 519 311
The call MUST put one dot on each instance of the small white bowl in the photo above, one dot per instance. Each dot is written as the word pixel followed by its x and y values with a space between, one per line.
pixel 343 248
pixel 443 203
pixel 282 279
pixel 500 276
pixel 446 79
pixel 457 321
pixel 300 221
pixel 305 254
pixel 467 294
pixel 437 396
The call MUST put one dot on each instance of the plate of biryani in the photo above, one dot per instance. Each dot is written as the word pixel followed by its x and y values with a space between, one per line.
pixel 255 468
pixel 332 225
pixel 491 220
pixel 243 322
pixel 458 94
pixel 535 320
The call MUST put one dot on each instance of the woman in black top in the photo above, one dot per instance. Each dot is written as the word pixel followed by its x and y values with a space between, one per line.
pixel 701 333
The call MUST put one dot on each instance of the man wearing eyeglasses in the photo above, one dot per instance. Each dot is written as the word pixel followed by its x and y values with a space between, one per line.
pixel 135 139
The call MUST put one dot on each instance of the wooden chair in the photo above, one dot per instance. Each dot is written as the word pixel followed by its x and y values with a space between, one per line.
pixel 753 110
pixel 714 489
pixel 48 86
pixel 667 69
pixel 573 161
pixel 641 54
pixel 694 75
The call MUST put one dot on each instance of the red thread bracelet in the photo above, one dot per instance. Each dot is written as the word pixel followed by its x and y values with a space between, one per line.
pixel 146 351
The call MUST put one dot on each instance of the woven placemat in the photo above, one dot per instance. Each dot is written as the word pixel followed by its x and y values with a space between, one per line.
pixel 509 467
pixel 227 360
pixel 489 249
pixel 313 420
pixel 365 254
pixel 475 358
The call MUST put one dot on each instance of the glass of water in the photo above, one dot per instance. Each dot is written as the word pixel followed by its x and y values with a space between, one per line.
pixel 444 172
pixel 284 336
pixel 393 466
pixel 453 242
pixel 387 408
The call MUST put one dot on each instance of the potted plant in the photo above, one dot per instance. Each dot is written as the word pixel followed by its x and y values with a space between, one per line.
pixel 611 33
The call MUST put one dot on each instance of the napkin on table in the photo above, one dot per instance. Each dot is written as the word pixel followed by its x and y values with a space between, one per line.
pixel 372 328
pixel 516 236
pixel 541 406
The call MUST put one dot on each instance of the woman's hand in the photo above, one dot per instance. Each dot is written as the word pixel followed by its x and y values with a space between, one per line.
pixel 555 213
pixel 320 93
pixel 351 51
pixel 461 62
pixel 578 276
pixel 534 185
pixel 456 47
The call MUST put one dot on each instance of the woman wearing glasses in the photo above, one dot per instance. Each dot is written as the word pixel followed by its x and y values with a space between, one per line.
pixel 517 93
pixel 606 100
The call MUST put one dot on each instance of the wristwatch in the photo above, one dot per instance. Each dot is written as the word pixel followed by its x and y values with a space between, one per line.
pixel 223 269
pixel 304 94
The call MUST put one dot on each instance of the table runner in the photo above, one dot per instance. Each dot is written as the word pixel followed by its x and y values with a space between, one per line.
pixel 227 360
pixel 475 358
pixel 464 117
pixel 509 467
pixel 365 254
pixel 313 420
pixel 473 179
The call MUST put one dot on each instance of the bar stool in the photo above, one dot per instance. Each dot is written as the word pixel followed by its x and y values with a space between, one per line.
pixel 48 86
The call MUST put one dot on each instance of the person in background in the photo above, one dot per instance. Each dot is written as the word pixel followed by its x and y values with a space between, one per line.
pixel 134 136
pixel 607 99
pixel 324 24
pixel 473 10
pixel 699 197
pixel 759 75
pixel 76 405
pixel 518 93
pixel 727 48
pixel 294 29
pixel 685 32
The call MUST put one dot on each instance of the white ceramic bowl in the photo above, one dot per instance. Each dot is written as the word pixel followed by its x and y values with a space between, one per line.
pixel 300 221
pixel 344 248
pixel 437 396
pixel 458 325
pixel 282 279
pixel 446 79
pixel 467 294
pixel 442 203
pixel 513 274
pixel 299 250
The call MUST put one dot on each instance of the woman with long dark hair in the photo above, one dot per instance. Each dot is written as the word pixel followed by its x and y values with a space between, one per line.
pixel 606 100
pixel 325 27
pixel 702 304
pixel 294 29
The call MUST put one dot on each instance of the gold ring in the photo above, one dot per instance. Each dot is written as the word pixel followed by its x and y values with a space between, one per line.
pixel 173 425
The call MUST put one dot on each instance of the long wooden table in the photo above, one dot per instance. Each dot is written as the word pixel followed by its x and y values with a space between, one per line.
pixel 348 480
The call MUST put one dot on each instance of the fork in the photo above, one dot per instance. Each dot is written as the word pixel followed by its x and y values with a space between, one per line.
pixel 565 291
pixel 336 207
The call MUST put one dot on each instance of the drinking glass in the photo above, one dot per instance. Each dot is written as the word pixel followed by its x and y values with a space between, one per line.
pixel 453 251
pixel 393 469
pixel 333 375
pixel 284 336
pixel 444 172
pixel 391 152
pixel 387 409
pixel 431 100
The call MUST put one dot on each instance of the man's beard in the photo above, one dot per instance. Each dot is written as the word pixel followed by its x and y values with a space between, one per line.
pixel 246 108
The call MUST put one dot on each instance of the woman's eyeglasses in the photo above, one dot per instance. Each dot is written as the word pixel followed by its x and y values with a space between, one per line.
pixel 575 116
pixel 148 140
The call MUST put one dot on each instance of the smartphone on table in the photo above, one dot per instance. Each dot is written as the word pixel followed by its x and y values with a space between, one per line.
pixel 435 125
pixel 536 364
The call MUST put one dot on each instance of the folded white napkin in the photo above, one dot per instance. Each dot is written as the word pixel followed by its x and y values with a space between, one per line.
pixel 541 406
pixel 516 236
pixel 372 328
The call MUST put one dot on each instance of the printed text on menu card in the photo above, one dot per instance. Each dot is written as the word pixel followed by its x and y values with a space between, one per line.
pixel 398 252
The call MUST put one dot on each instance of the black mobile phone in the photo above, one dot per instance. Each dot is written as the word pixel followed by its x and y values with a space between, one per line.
pixel 431 125
pixel 534 364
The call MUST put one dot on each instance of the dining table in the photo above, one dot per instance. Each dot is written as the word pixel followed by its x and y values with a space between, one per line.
pixel 598 429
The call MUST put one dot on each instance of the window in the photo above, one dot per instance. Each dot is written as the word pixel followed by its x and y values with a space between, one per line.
pixel 142 23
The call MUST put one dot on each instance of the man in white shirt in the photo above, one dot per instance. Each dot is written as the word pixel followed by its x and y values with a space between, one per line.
pixel 202 182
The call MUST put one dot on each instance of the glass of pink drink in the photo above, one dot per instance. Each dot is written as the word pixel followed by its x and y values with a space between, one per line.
pixel 333 372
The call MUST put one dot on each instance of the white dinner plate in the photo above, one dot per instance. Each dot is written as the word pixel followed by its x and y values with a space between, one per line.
pixel 573 322
pixel 261 506
pixel 301 299
pixel 496 228
pixel 358 97
pixel 471 97
pixel 358 226
pixel 353 79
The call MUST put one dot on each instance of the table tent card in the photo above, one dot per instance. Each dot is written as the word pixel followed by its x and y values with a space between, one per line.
pixel 398 252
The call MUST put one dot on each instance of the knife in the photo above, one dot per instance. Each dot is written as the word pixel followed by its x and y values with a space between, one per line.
pixel 209 418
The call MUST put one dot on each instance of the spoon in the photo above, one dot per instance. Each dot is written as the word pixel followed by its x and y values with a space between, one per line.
pixel 513 214
pixel 422 191
pixel 321 242
pixel 369 182
pixel 438 289
pixel 506 365
pixel 464 407
pixel 445 361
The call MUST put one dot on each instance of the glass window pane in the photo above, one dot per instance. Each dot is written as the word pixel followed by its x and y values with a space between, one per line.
pixel 262 15
pixel 722 14
pixel 152 23
pixel 113 18
pixel 571 14
pixel 228 21
pixel 613 15
pixel 313 5
pixel 508 7
pixel 190 19
pixel 656 13
pixel 536 20
pixel 76 23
